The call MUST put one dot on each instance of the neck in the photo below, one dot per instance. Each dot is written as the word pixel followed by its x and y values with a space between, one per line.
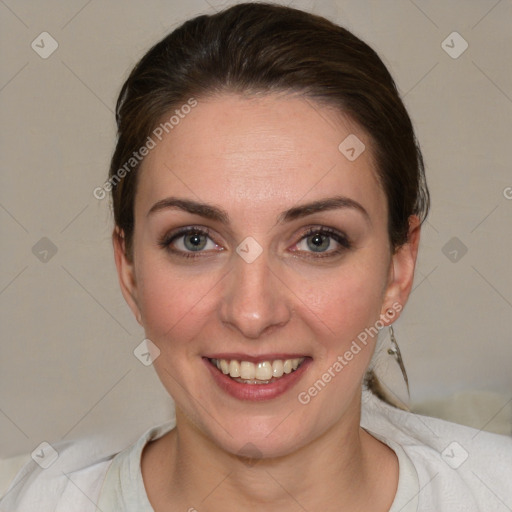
pixel 343 468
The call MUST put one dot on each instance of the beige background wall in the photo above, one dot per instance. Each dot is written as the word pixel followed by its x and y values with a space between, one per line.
pixel 67 367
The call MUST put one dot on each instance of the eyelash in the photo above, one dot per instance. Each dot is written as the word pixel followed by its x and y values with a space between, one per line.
pixel 166 241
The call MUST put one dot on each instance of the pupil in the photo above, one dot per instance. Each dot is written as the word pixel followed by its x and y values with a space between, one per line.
pixel 194 241
pixel 319 242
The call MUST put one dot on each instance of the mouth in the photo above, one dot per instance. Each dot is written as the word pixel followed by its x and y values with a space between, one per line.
pixel 256 379
pixel 263 372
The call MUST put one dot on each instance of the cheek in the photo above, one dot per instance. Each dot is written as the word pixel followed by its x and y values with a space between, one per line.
pixel 173 303
pixel 346 301
pixel 349 307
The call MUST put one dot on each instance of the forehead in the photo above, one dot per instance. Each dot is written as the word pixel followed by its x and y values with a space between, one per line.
pixel 260 154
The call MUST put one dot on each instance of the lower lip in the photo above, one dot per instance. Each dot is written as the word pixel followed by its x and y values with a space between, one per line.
pixel 257 392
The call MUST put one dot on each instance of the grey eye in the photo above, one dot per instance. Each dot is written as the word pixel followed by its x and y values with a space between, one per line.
pixel 318 242
pixel 195 241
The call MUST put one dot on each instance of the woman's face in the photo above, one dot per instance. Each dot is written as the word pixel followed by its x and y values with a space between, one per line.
pixel 266 274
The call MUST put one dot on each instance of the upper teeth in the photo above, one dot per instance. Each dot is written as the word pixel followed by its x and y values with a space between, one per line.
pixel 264 370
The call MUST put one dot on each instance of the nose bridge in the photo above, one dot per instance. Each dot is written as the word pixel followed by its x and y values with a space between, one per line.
pixel 253 299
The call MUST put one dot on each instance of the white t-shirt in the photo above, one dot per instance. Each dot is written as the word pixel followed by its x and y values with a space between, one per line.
pixel 443 467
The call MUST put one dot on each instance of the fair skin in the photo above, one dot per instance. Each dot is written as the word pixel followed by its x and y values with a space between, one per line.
pixel 255 158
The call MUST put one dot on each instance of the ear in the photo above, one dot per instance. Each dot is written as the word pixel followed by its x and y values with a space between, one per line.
pixel 401 273
pixel 126 273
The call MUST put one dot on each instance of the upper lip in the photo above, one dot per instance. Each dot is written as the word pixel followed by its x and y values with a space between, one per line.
pixel 254 358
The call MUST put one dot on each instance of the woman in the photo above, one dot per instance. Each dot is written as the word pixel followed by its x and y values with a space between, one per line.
pixel 268 196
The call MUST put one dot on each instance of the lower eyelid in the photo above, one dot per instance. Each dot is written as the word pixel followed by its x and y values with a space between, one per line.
pixel 325 254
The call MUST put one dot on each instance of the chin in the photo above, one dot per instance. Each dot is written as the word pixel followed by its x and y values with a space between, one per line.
pixel 260 442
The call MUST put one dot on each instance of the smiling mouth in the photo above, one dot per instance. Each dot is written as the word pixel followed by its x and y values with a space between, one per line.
pixel 263 372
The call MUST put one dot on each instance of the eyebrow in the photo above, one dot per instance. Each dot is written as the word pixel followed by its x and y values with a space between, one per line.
pixel 218 214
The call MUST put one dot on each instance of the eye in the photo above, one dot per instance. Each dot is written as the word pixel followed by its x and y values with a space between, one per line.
pixel 191 241
pixel 187 241
pixel 320 239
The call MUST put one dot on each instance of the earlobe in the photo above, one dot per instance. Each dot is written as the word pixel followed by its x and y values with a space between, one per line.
pixel 126 273
pixel 401 271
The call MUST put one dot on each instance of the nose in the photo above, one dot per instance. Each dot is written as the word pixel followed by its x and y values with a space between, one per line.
pixel 255 299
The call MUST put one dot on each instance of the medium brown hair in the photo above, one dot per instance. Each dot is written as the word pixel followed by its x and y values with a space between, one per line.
pixel 255 48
